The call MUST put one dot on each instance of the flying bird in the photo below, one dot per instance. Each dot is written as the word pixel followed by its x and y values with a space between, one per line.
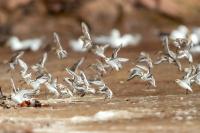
pixel 61 53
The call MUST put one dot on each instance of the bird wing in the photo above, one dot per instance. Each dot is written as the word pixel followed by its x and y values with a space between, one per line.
pixel 13 85
pixel 84 79
pixel 193 76
pixel 143 68
pixel 77 64
pixel 16 56
pixel 85 31
pixel 115 52
pixel 20 54
pixel 23 65
pixel 97 82
pixel 123 59
pixel 73 74
pixel 165 43
pixel 105 46
pixel 57 40
pixel 162 59
pixel 44 59
pixel 42 79
pixel 135 72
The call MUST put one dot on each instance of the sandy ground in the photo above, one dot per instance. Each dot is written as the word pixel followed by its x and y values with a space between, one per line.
pixel 134 107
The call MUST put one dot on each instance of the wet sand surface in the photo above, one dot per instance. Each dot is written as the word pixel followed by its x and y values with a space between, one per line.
pixel 134 107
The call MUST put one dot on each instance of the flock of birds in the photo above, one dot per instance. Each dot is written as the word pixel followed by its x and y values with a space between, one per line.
pixel 78 82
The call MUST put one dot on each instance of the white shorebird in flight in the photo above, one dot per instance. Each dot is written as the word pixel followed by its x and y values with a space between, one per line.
pixel 75 78
pixel 79 83
pixel 99 67
pixel 61 53
pixel 96 81
pixel 184 43
pixel 114 61
pixel 197 78
pixel 52 86
pixel 14 59
pixel 35 84
pixel 183 48
pixel 29 44
pixel 79 89
pixel 185 54
pixel 24 69
pixel 86 83
pixel 39 67
pixel 189 71
pixel 115 39
pixel 143 73
pixel 87 41
pixel 89 44
pixel 64 91
pixel 106 91
pixel 21 95
pixel 192 75
pixel 186 82
pixel 192 71
pixel 100 50
pixel 168 55
pixel 103 88
pixel 145 58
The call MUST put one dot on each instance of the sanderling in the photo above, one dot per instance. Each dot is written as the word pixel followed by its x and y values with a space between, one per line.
pixel 35 84
pixel 79 89
pixel 24 69
pixel 79 83
pixel 143 73
pixel 75 77
pixel 180 32
pixel 189 71
pixel 52 86
pixel 39 67
pixel 189 78
pixel 114 61
pixel 14 59
pixel 115 39
pixel 30 44
pixel 99 67
pixel 103 88
pixel 185 84
pixel 87 41
pixel 86 83
pixel 99 50
pixel 185 54
pixel 61 53
pixel 21 95
pixel 96 81
pixel 106 90
pixel 184 45
pixel 145 58
pixel 168 55
pixel 197 79
pixel 196 70
pixel 89 44
pixel 64 91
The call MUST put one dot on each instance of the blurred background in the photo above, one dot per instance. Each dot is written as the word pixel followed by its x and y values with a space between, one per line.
pixel 149 18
